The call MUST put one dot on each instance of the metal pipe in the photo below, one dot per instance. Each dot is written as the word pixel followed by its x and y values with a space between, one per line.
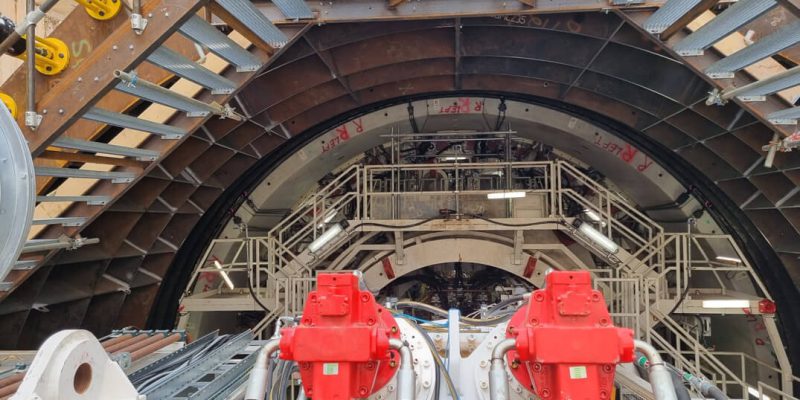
pixel 30 52
pixel 115 340
pixel 127 343
pixel 728 94
pixel 10 389
pixel 11 379
pixel 498 380
pixel 257 384
pixel 659 375
pixel 138 22
pixel 144 343
pixel 773 148
pixel 67 244
pixel 406 380
pixel 32 17
pixel 151 348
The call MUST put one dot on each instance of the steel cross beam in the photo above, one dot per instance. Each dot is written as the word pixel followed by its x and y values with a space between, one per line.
pixel 371 10
pixel 123 50
pixel 793 6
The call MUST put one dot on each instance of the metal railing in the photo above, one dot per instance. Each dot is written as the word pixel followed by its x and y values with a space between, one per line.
pixel 641 288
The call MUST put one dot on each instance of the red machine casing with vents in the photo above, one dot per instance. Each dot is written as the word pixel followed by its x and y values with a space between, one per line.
pixel 567 347
pixel 342 341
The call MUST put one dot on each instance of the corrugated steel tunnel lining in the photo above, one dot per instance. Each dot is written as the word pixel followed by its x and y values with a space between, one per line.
pixel 601 68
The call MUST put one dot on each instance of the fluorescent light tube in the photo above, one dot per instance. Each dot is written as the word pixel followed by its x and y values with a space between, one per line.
pixel 593 216
pixel 224 275
pixel 729 259
pixel 726 303
pixel 454 158
pixel 505 195
pixel 328 218
pixel 598 238
pixel 326 237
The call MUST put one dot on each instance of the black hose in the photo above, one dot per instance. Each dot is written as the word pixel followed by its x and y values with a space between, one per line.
pixel 501 305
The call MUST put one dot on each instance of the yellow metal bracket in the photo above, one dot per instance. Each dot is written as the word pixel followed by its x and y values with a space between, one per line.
pixel 101 10
pixel 52 56
pixel 10 104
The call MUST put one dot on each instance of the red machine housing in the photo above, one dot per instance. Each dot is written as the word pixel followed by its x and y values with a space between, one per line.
pixel 567 347
pixel 342 341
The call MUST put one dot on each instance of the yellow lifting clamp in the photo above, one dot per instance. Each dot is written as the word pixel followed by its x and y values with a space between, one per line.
pixel 10 104
pixel 52 56
pixel 101 10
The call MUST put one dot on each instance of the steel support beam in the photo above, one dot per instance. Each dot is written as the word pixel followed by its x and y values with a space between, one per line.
pixel 94 77
pixel 377 10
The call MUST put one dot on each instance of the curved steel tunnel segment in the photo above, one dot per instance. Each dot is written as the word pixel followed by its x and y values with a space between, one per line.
pixel 162 222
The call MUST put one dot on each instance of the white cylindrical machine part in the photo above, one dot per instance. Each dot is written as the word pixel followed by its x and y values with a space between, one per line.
pixel 406 380
pixel 257 384
pixel 498 379
pixel 660 378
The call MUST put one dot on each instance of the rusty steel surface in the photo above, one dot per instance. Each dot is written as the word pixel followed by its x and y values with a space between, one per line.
pixel 602 63
pixel 94 77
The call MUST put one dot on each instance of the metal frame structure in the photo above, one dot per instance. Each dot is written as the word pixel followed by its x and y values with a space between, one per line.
pixel 647 279
pixel 145 223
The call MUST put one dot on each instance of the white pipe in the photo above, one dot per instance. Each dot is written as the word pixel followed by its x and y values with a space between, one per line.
pixel 660 378
pixel 257 384
pixel 406 380
pixel 498 380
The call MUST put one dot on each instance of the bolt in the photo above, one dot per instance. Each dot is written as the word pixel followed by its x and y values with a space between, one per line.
pixel 80 79
pixel 606 368
pixel 394 329
pixel 150 15
pixel 362 391
pixel 166 14
pixel 114 47
pixel 44 111
pixel 484 384
pixel 545 392
pixel 130 47
pixel 97 79
pixel 603 394
pixel 61 111
pixel 393 363
pixel 426 384
pixel 483 363
pixel 370 322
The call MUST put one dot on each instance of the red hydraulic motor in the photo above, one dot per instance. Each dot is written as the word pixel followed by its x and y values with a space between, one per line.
pixel 345 344
pixel 565 345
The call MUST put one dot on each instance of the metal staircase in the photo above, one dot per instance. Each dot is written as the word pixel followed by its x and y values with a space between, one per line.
pixel 151 113
pixel 646 282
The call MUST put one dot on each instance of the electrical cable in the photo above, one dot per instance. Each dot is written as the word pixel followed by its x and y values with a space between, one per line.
pixel 438 311
pixel 507 302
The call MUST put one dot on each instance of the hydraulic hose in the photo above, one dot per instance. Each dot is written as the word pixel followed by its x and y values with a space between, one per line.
pixel 406 380
pixel 257 384
pixel 498 380
pixel 659 375
pixel 438 311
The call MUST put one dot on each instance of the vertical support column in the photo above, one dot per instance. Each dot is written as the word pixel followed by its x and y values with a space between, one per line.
pixel 453 348
pixel 780 354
